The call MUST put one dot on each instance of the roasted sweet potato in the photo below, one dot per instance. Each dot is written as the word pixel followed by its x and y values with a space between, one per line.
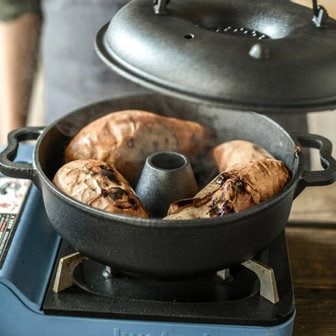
pixel 233 152
pixel 99 185
pixel 234 190
pixel 125 139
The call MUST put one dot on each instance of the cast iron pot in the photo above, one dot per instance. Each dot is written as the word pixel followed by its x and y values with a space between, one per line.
pixel 154 247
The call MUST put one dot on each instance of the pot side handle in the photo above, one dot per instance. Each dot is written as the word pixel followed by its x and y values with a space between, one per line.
pixel 19 169
pixel 319 177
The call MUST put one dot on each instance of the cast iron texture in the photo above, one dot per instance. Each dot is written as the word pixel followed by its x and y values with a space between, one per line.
pixel 154 247
pixel 165 178
pixel 263 55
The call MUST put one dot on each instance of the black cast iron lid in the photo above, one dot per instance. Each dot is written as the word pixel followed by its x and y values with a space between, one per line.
pixel 261 55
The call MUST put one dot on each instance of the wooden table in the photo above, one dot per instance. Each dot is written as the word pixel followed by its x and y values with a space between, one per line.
pixel 312 252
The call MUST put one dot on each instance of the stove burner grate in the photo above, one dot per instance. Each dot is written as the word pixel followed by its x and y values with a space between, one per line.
pixel 134 298
pixel 241 283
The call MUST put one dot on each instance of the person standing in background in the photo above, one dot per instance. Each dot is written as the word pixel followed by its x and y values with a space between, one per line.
pixel 19 34
pixel 60 35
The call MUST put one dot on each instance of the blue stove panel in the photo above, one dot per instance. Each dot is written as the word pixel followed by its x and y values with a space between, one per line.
pixel 27 265
pixel 19 320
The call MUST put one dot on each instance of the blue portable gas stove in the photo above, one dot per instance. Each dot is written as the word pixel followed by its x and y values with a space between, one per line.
pixel 48 289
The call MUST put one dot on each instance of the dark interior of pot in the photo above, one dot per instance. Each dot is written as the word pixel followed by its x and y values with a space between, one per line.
pixel 227 125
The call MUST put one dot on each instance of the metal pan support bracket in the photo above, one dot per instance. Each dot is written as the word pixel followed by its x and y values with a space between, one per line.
pixel 268 286
pixel 265 274
pixel 66 266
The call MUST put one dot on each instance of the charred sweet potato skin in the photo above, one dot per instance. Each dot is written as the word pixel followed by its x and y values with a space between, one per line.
pixel 99 185
pixel 234 190
pixel 126 138
pixel 230 153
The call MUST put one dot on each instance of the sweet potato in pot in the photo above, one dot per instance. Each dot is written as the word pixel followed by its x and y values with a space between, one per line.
pixel 125 139
pixel 99 185
pixel 230 153
pixel 234 190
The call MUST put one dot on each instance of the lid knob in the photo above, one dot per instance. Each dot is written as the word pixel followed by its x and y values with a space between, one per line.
pixel 259 51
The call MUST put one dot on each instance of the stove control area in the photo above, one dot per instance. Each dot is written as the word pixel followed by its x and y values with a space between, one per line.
pixel 13 193
pixel 28 242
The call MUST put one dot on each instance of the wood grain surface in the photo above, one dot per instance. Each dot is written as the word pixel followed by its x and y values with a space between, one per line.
pixel 312 253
